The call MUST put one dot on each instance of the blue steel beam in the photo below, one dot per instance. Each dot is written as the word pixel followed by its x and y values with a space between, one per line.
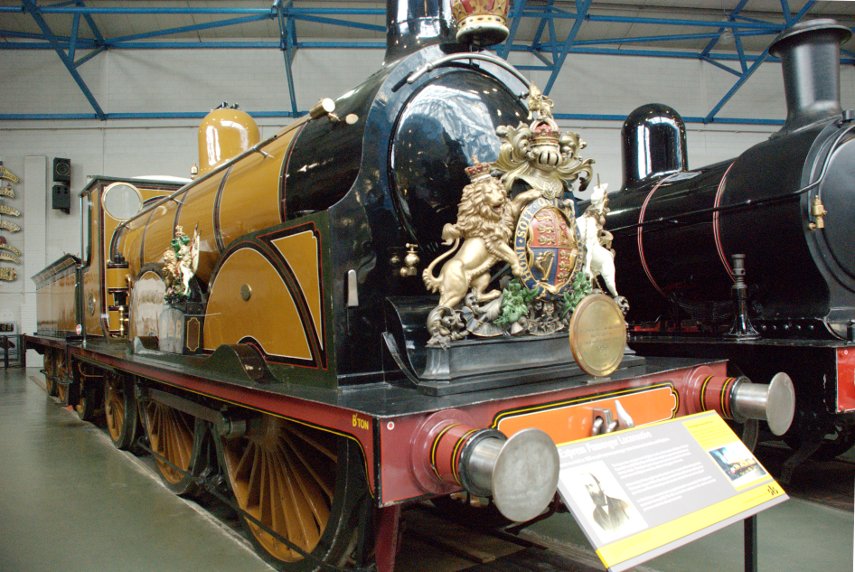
pixel 582 7
pixel 188 28
pixel 34 11
pixel 546 14
pixel 731 17
pixel 286 44
pixel 746 75
pixel 515 17
pixel 75 32
pixel 93 27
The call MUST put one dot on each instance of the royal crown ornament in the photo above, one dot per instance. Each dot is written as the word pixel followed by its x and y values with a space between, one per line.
pixel 481 22
pixel 478 171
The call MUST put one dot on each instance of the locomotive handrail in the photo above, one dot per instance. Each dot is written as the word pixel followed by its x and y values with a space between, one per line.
pixel 469 56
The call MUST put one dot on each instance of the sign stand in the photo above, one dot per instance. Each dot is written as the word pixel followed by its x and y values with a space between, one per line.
pixel 642 492
pixel 751 543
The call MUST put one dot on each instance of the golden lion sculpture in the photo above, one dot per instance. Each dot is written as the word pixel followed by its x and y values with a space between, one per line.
pixel 486 219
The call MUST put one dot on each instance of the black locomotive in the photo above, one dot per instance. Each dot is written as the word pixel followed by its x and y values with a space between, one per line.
pixel 752 258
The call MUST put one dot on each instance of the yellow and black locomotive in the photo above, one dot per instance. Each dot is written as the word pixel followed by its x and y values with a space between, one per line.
pixel 270 324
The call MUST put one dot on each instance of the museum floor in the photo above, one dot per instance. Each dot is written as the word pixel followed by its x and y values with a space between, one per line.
pixel 70 501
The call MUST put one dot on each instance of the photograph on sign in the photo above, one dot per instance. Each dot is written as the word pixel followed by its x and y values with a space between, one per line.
pixel 595 490
pixel 737 462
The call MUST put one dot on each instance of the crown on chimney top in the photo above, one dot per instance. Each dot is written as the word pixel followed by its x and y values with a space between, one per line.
pixel 481 22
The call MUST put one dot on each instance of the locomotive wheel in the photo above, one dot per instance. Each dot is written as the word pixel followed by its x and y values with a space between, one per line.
pixel 120 411
pixel 61 377
pixel 50 373
pixel 837 441
pixel 748 432
pixel 304 484
pixel 176 440
pixel 87 402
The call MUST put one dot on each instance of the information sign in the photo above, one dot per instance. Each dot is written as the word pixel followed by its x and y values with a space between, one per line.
pixel 642 492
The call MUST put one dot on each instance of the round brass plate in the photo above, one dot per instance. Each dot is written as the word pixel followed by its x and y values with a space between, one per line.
pixel 597 335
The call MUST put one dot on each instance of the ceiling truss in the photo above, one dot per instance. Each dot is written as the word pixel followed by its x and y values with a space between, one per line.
pixel 85 41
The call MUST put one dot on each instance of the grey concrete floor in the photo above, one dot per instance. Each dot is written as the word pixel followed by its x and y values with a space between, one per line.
pixel 70 501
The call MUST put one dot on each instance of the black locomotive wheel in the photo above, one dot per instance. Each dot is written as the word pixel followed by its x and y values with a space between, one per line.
pixel 120 411
pixel 50 373
pixel 176 440
pixel 839 439
pixel 836 443
pixel 304 484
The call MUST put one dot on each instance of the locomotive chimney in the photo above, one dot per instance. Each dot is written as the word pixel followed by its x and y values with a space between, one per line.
pixel 810 58
pixel 413 24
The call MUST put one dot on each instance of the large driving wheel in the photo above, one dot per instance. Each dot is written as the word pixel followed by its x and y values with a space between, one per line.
pixel 305 485
pixel 176 440
pixel 120 411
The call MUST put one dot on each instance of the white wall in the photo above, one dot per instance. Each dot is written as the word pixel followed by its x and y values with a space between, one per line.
pixel 182 81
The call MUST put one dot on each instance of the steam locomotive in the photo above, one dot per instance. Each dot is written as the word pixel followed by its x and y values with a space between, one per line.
pixel 277 354
pixel 752 259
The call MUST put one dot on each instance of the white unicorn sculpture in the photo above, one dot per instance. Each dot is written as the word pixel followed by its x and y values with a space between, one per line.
pixel 599 257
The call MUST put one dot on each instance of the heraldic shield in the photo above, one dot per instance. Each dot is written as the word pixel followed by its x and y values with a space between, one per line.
pixel 547 245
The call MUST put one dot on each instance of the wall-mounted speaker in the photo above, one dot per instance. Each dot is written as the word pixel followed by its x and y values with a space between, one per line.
pixel 61 198
pixel 61 170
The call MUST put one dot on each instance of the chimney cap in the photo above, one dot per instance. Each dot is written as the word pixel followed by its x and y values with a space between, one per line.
pixel 808 26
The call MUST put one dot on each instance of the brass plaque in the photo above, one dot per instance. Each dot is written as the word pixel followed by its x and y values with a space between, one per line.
pixel 597 335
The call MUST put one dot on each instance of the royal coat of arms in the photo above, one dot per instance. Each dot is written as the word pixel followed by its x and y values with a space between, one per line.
pixel 518 262
pixel 547 246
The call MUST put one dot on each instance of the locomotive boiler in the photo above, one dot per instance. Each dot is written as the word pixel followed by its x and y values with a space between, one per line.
pixel 752 258
pixel 264 331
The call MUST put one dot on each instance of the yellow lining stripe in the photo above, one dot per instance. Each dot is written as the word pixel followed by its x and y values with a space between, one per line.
pixel 725 390
pixel 457 450
pixel 631 390
pixel 703 397
pixel 435 445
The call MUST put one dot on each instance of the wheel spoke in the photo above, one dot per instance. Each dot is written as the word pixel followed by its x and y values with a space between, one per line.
pixel 171 437
pixel 303 517
pixel 324 483
pixel 314 444
pixel 283 475
pixel 308 498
